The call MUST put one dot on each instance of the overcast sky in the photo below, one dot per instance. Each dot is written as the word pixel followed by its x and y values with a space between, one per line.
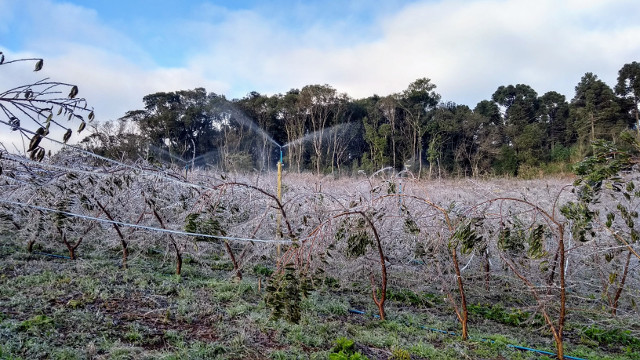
pixel 119 51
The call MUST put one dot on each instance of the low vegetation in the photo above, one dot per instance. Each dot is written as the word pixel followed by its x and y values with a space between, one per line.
pixel 92 308
pixel 53 307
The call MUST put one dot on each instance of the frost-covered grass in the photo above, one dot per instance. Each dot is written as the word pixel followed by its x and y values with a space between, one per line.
pixel 93 307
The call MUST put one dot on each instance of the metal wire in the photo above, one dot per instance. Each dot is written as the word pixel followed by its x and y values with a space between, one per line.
pixel 144 227
pixel 156 173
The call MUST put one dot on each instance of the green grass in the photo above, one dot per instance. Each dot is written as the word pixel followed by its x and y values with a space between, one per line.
pixel 91 308
pixel 613 338
pixel 508 317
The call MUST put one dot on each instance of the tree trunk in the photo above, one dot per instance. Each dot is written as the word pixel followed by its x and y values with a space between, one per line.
pixel 335 147
pixel 614 305
pixel 593 131
pixel 637 117
pixel 487 270
pixel 383 267
pixel 233 260
pixel 125 254
pixel 178 261
pixel 420 155
pixel 563 295
pixel 173 240
pixel 463 316
pixel 123 242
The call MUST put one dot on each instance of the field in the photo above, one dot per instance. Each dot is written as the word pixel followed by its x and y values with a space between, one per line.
pixel 133 263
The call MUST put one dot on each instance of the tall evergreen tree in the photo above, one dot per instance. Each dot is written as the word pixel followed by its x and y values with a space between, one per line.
pixel 524 134
pixel 628 87
pixel 595 112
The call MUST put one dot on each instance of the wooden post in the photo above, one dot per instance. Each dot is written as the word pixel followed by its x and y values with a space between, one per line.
pixel 279 194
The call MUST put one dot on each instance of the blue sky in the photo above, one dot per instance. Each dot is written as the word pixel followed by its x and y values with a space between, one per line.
pixel 119 51
pixel 165 29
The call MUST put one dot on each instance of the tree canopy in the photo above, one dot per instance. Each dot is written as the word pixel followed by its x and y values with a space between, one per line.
pixel 318 129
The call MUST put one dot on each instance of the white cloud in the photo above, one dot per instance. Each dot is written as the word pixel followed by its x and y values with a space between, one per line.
pixel 468 48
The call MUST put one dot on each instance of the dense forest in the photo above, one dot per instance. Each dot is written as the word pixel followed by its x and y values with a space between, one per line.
pixel 516 132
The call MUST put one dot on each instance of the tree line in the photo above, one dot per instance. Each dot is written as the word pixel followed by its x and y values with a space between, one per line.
pixel 318 129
